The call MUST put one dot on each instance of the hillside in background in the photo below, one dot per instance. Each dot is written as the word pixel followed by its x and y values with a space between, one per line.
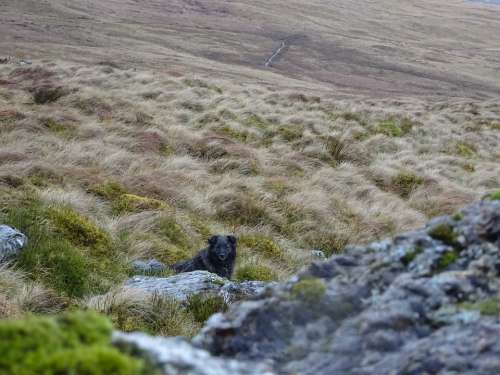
pixel 377 48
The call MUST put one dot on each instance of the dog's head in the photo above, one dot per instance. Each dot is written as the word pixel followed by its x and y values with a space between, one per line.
pixel 222 247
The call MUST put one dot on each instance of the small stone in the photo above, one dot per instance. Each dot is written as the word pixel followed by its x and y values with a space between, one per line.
pixel 11 242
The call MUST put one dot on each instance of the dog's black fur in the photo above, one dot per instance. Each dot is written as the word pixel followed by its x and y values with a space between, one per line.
pixel 218 257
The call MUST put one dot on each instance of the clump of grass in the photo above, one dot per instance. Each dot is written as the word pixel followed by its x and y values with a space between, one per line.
pixel 404 183
pixel 242 209
pixel 192 106
pixel 74 343
pixel 255 272
pixel 336 149
pixel 329 242
pixel 309 290
pixel 228 131
pixel 134 203
pixel 55 126
pixel 352 116
pixel 393 127
pixel 465 150
pixel 48 94
pixel 204 306
pixel 263 246
pixel 290 133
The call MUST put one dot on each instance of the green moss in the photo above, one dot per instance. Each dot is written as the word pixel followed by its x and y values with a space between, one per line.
pixel 123 202
pixel 56 127
pixel 310 290
pixel 411 255
pixel 446 259
pixel 458 216
pixel 254 272
pixel 75 343
pixel 489 306
pixel 78 229
pixel 495 196
pixel 204 306
pixel 134 203
pixel 405 183
pixel 173 232
pixel 444 233
pixel 393 127
pixel 465 150
pixel 263 246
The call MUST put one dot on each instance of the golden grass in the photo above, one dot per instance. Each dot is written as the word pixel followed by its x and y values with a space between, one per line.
pixel 195 157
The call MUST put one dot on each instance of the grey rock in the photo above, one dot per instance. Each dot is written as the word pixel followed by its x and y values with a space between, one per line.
pixel 318 254
pixel 175 356
pixel 416 304
pixel 148 267
pixel 183 285
pixel 11 242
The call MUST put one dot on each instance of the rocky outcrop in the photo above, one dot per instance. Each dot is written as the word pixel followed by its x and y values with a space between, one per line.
pixel 183 285
pixel 426 302
pixel 175 356
pixel 11 242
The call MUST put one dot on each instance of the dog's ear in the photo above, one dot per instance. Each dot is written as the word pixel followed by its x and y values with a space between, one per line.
pixel 212 240
pixel 232 240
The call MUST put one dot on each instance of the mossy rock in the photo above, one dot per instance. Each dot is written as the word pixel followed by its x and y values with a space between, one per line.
pixel 74 343
pixel 310 290
pixel 447 259
pixel 263 246
pixel 254 272
pixel 134 203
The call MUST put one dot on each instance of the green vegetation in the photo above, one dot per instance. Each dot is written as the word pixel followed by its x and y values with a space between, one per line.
pixel 465 150
pixel 256 272
pixel 56 127
pixel 241 209
pixel 495 196
pixel 404 183
pixel 489 306
pixel 123 202
pixel 263 246
pixel 444 233
pixel 66 251
pixel 309 289
pixel 290 133
pixel 74 343
pixel 204 306
pixel 446 259
pixel 411 255
pixel 393 127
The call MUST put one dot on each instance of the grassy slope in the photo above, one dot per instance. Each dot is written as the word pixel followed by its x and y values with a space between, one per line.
pixel 134 163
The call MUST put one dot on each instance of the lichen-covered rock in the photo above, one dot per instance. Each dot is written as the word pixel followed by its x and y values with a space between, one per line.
pixel 427 301
pixel 183 285
pixel 175 356
pixel 148 267
pixel 11 242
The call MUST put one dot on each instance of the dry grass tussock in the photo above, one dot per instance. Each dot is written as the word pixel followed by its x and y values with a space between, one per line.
pixel 121 164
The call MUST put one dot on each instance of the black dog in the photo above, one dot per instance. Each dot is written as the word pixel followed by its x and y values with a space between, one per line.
pixel 217 258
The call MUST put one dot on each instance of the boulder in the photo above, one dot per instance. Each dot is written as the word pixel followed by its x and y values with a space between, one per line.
pixel 183 285
pixel 11 242
pixel 175 356
pixel 425 302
